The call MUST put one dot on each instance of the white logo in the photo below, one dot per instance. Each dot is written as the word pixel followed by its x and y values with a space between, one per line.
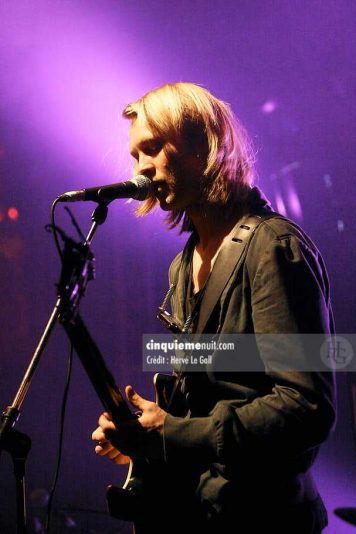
pixel 336 352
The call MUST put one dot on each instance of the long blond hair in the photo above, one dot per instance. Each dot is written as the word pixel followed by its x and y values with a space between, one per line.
pixel 186 113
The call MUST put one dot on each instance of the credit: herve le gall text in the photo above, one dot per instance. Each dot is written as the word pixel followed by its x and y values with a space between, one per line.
pixel 178 360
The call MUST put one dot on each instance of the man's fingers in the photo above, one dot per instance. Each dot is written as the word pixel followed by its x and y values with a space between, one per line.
pixel 105 423
pixel 98 434
pixel 135 399
pixel 101 449
pixel 122 459
pixel 107 450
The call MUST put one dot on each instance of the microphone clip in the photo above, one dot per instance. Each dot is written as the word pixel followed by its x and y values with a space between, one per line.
pixel 78 268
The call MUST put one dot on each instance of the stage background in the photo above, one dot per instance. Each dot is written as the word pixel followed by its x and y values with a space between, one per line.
pixel 67 68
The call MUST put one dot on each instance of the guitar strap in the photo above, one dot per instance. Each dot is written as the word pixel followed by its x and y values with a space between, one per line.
pixel 229 258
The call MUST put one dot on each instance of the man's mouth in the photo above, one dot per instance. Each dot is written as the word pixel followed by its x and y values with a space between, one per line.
pixel 160 186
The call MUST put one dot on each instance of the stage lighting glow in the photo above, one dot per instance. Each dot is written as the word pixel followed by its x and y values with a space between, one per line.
pixel 13 213
pixel 79 65
pixel 269 106
pixel 281 208
pixel 294 203
pixel 327 180
pixel 340 225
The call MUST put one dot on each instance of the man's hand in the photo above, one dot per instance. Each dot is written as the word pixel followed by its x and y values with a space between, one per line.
pixel 104 448
pixel 140 438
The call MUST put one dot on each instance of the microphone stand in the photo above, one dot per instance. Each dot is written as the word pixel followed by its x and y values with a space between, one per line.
pixel 77 270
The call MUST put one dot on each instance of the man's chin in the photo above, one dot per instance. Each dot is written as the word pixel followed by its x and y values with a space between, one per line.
pixel 166 203
pixel 165 207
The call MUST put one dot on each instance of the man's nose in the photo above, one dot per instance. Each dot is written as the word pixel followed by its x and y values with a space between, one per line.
pixel 146 167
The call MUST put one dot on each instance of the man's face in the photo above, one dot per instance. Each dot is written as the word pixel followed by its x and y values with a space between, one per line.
pixel 176 180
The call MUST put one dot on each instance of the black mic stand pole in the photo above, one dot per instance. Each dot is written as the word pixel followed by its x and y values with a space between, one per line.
pixel 70 292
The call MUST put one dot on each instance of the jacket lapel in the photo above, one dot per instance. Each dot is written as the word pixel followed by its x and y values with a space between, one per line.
pixel 227 261
pixel 182 280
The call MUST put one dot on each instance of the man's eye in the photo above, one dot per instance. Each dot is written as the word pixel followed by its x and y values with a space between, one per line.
pixel 153 148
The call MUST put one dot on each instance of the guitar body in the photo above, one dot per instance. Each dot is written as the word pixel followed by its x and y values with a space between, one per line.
pixel 148 485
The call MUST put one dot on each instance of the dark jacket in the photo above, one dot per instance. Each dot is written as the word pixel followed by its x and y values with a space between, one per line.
pixel 252 436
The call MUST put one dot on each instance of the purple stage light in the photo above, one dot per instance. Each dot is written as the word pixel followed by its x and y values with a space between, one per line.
pixel 340 225
pixel 294 203
pixel 269 106
pixel 327 181
pixel 281 208
pixel 75 78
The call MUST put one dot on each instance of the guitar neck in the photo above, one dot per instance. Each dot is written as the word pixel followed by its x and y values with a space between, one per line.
pixel 96 369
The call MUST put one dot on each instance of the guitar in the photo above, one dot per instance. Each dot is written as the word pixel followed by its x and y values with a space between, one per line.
pixel 146 481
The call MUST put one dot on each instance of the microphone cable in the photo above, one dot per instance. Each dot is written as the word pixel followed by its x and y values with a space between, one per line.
pixel 54 228
pixel 60 440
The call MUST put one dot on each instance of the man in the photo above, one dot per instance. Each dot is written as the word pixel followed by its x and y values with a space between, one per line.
pixel 248 439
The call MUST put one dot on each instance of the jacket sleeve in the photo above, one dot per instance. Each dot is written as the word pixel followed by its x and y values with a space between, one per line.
pixel 289 294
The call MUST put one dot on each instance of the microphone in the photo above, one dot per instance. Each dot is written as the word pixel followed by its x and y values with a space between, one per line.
pixel 140 187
